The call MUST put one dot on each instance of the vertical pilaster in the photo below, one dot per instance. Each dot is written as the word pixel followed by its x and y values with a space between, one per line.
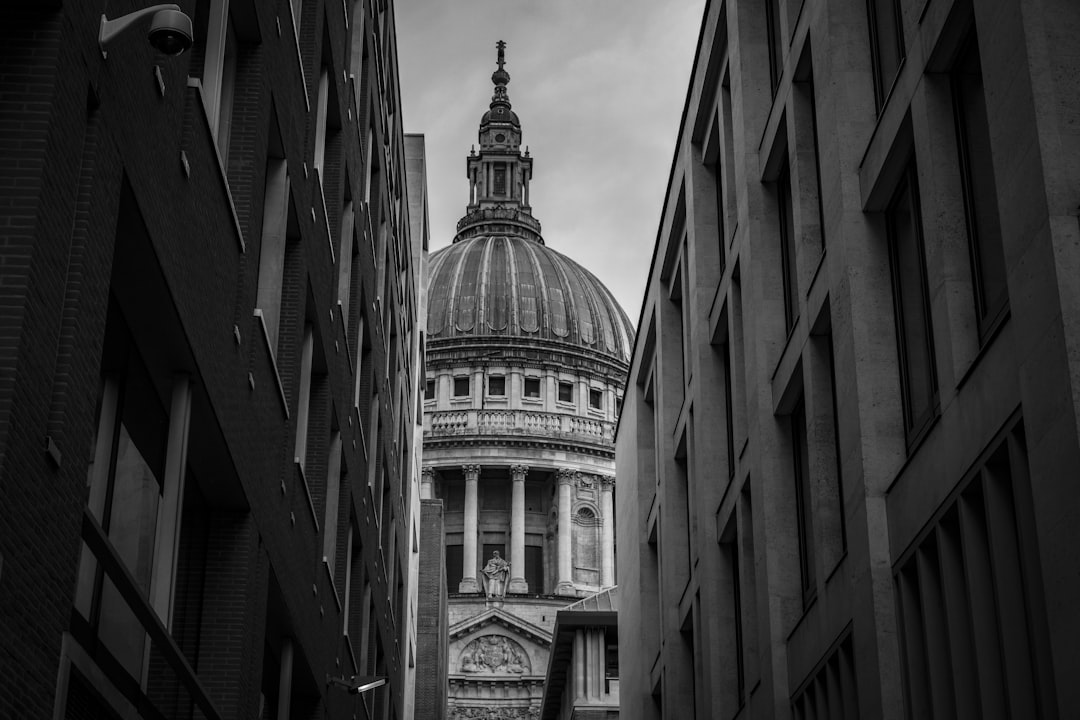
pixel 566 483
pixel 579 664
pixel 517 530
pixel 607 538
pixel 427 480
pixel 468 555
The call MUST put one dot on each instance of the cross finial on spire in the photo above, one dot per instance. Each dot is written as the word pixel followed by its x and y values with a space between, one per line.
pixel 501 45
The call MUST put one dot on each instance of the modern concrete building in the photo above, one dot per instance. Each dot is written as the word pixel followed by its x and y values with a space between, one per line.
pixel 848 449
pixel 210 362
pixel 582 680
pixel 526 359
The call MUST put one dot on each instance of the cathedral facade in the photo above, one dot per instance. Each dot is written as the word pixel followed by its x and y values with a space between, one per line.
pixel 527 354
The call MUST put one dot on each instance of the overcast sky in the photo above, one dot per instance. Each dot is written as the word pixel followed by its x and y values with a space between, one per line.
pixel 599 86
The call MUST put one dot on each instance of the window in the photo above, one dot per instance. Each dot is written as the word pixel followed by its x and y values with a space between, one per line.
pixel 980 192
pixel 534 566
pixel 532 388
pixel 566 392
pixel 596 399
pixel 496 385
pixel 218 70
pixel 429 389
pixel 886 44
pixel 500 179
pixel 911 304
pixel 800 456
pixel 275 234
pixel 454 567
pixel 788 267
pixel 729 549
pixel 461 387
pixel 776 42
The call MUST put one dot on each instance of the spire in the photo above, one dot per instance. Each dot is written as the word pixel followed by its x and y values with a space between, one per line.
pixel 500 78
pixel 499 174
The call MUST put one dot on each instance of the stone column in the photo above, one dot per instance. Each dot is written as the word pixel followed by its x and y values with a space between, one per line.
pixel 579 664
pixel 468 550
pixel 427 483
pixel 517 530
pixel 607 539
pixel 565 585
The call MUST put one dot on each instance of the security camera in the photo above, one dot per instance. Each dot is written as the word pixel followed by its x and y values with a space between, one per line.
pixel 170 29
pixel 170 32
pixel 356 684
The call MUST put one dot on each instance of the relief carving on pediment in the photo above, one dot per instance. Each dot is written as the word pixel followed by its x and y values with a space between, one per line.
pixel 494 654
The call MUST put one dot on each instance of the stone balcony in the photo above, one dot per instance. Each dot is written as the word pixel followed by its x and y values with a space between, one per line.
pixel 530 423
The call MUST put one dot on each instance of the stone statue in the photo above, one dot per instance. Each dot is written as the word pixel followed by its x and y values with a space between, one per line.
pixel 496 576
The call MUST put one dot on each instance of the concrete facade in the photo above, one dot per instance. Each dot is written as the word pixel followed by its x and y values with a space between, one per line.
pixel 211 364
pixel 526 358
pixel 582 680
pixel 851 422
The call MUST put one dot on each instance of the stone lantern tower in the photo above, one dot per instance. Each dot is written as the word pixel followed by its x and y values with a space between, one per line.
pixel 527 355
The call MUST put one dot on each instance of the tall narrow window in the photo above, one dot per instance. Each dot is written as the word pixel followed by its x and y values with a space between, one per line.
pixel 803 520
pixel 787 247
pixel 731 210
pixel 218 70
pixel 776 42
pixel 886 44
pixel 911 302
pixel 729 550
pixel 274 235
pixel 321 108
pixel 980 191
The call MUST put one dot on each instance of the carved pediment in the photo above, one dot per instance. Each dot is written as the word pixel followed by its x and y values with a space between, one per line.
pixel 498 618
pixel 494 655
pixel 497 645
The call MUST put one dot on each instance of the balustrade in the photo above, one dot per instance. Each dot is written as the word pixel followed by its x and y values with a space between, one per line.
pixel 517 422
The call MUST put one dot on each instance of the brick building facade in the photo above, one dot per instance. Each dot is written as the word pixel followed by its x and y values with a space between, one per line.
pixel 848 449
pixel 209 364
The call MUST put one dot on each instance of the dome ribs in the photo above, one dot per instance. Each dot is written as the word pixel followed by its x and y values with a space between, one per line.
pixel 497 279
pixel 465 297
pixel 509 286
pixel 438 295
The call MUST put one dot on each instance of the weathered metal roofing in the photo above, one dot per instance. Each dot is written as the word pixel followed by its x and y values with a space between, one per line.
pixel 511 286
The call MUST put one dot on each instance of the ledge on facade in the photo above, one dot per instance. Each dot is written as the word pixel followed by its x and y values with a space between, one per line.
pixel 518 422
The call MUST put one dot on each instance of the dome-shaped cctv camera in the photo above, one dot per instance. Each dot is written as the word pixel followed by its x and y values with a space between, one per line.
pixel 170 32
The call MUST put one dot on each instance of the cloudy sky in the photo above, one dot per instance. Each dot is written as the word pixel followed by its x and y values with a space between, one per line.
pixel 599 87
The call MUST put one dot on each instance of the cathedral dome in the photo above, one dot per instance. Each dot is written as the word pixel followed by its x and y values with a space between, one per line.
pixel 492 286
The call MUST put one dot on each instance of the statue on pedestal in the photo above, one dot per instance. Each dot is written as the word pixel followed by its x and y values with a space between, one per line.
pixel 496 576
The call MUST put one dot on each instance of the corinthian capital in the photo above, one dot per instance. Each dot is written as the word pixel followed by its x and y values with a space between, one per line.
pixel 566 476
pixel 518 472
pixel 607 482
pixel 427 474
pixel 472 472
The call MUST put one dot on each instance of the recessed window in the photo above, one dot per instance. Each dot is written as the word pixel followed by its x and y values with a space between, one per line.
pixel 980 191
pixel 461 387
pixel 566 392
pixel 429 389
pixel 596 399
pixel 496 385
pixel 911 300
pixel 532 387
